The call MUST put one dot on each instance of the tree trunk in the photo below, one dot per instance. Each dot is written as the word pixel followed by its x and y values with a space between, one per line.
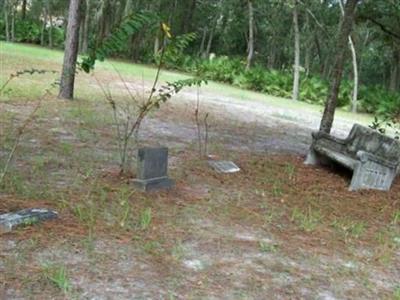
pixel 70 52
pixel 308 48
pixel 319 53
pixel 395 71
pixel 344 32
pixel 355 76
pixel 6 20
pixel 296 67
pixel 209 44
pixel 12 24
pixel 128 7
pixel 355 67
pixel 251 35
pixel 51 25
pixel 203 42
pixel 43 27
pixel 156 44
pixel 23 9
pixel 187 21
pixel 85 32
pixel 271 56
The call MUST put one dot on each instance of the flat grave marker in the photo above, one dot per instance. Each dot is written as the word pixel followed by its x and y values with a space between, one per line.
pixel 224 166
pixel 25 217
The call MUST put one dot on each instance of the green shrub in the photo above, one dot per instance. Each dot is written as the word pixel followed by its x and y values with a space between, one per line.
pixel 313 89
pixel 223 69
pixel 27 32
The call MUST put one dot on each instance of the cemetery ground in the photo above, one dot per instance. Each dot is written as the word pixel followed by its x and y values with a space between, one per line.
pixel 275 230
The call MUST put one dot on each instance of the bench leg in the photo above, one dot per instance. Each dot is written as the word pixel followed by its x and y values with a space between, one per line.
pixel 312 158
pixel 370 175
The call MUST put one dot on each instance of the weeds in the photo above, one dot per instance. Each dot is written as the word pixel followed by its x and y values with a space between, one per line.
pixel 57 275
pixel 178 251
pixel 290 171
pixel 385 251
pixel 152 247
pixel 396 218
pixel 277 190
pixel 267 247
pixel 123 199
pixel 307 221
pixel 396 293
pixel 20 131
pixel 145 218
pixel 349 228
pixel 202 139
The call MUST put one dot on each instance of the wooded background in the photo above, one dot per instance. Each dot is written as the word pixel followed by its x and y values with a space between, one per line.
pixel 254 44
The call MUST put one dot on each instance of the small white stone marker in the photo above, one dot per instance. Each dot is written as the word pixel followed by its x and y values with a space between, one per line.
pixel 29 216
pixel 224 166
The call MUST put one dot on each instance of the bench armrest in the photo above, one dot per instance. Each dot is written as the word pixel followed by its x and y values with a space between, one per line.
pixel 366 156
pixel 322 135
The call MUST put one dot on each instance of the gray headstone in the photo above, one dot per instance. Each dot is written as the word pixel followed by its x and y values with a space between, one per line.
pixel 224 166
pixel 152 169
pixel 29 216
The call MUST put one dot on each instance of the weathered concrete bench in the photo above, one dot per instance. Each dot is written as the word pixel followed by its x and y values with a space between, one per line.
pixel 373 157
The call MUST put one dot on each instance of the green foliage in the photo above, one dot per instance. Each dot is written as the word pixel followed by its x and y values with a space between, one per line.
pixel 396 293
pixel 145 218
pixel 27 31
pixel 20 73
pixel 57 275
pixel 386 107
pixel 129 26
pixel 267 247
pixel 223 69
pixel 307 221
pixel 313 89
pixel 173 55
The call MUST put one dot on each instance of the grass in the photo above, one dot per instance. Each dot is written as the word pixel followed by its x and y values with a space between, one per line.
pixel 396 293
pixel 38 56
pixel 349 228
pixel 145 218
pixel 267 247
pixel 57 275
pixel 110 234
pixel 308 220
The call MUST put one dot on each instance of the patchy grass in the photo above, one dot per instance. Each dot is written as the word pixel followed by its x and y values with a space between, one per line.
pixel 19 56
pixel 57 275
pixel 278 227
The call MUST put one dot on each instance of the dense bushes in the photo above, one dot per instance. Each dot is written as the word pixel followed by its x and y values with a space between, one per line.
pixel 313 89
pixel 258 78
pixel 28 31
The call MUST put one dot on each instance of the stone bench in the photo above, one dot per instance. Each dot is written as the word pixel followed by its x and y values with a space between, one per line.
pixel 373 157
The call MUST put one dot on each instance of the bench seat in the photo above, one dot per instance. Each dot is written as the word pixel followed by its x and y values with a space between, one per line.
pixel 374 158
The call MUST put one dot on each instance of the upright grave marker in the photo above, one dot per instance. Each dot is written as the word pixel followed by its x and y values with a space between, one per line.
pixel 152 169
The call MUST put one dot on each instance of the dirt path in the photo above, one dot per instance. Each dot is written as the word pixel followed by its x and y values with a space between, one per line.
pixel 251 125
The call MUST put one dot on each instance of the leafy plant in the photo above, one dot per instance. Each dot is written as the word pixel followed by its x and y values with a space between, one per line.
pixel 128 115
pixel 117 39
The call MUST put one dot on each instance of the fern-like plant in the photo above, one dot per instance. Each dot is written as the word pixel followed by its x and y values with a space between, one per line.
pixel 129 26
